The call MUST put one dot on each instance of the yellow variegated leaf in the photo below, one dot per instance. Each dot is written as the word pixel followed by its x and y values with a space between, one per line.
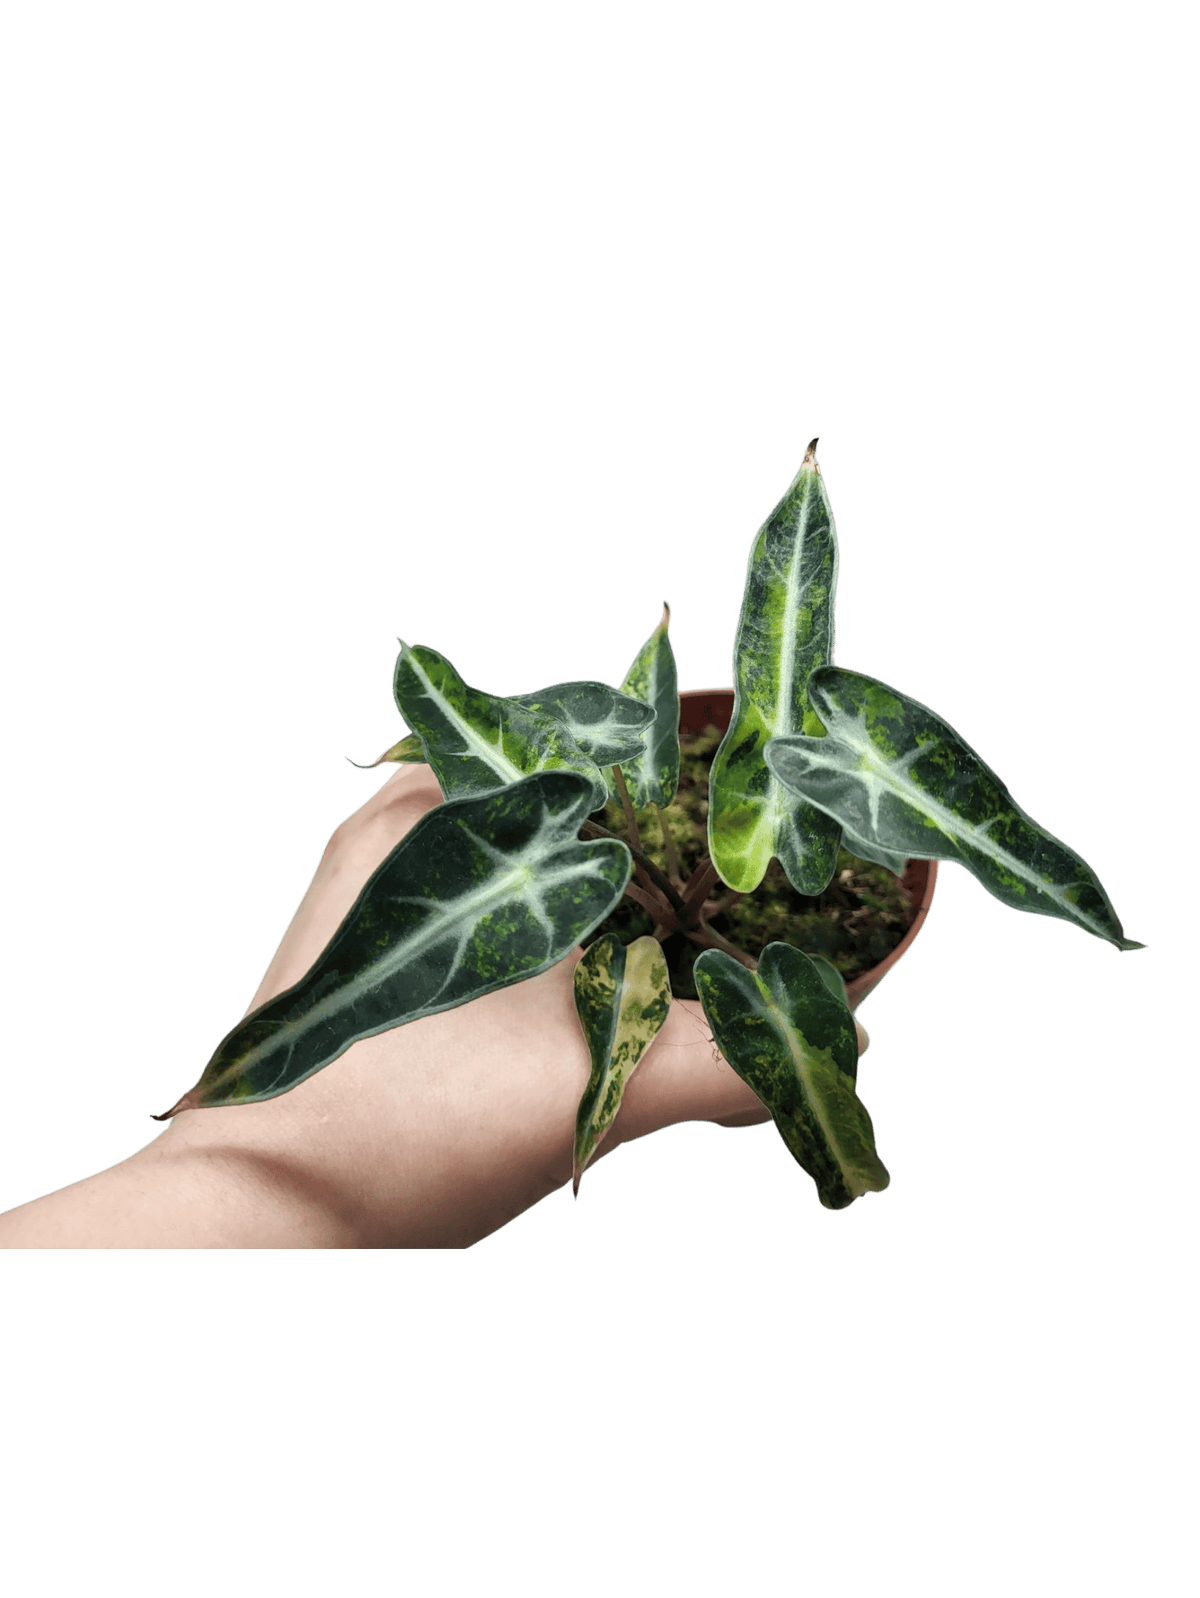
pixel 622 995
pixel 476 741
pixel 784 632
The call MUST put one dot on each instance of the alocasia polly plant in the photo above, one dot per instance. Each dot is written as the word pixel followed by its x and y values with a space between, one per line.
pixel 514 869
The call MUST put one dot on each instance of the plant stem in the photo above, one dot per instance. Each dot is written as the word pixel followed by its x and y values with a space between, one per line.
pixel 677 910
pixel 627 806
pixel 631 826
pixel 714 940
pixel 727 903
pixel 673 912
pixel 670 893
pixel 673 865
pixel 698 884
pixel 663 914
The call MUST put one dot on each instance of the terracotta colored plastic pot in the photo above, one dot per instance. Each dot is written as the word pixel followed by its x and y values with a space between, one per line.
pixel 713 708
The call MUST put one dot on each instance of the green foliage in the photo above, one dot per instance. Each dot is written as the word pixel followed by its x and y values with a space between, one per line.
pixel 409 751
pixel 481 893
pixel 905 783
pixel 477 742
pixel 653 774
pixel 622 996
pixel 785 631
pixel 855 921
pixel 793 1042
pixel 824 784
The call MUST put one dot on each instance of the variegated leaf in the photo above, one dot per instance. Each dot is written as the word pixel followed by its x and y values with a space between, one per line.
pixel 867 849
pixel 605 724
pixel 409 750
pixel 793 1043
pixel 653 775
pixel 785 630
pixel 481 893
pixel 623 996
pixel 901 780
pixel 475 741
pixel 831 977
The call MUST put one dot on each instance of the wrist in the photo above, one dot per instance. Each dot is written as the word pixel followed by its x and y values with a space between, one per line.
pixel 221 1195
pixel 189 1192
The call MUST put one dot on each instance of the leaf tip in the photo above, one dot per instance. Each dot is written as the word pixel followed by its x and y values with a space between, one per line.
pixel 189 1101
pixel 809 463
pixel 666 618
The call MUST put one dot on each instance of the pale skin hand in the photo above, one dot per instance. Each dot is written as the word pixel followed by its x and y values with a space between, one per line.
pixel 432 1135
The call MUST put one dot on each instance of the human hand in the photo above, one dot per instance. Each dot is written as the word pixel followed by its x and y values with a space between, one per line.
pixel 432 1135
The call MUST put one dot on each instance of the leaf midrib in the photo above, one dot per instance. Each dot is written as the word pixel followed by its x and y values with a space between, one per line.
pixel 469 907
pixel 800 1060
pixel 960 828
pixel 491 754
pixel 782 803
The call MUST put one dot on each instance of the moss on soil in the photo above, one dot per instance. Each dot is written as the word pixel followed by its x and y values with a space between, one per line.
pixel 855 922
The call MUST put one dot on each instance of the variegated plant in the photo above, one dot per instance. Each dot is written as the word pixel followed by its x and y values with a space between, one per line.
pixel 514 869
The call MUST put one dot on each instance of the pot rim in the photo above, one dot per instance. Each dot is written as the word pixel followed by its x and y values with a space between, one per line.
pixel 919 876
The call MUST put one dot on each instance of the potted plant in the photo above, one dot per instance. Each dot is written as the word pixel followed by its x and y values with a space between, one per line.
pixel 579 809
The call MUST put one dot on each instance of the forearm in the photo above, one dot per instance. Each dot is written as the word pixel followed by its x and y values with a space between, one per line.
pixel 179 1197
pixel 431 1135
pixel 472 1130
pixel 430 1139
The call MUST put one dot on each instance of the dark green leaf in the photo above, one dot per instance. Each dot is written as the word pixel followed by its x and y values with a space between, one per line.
pixel 475 741
pixel 653 775
pixel 605 724
pixel 831 977
pixel 902 781
pixel 481 893
pixel 793 1042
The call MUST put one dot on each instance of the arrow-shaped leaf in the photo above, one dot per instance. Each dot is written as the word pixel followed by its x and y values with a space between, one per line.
pixel 901 780
pixel 481 893
pixel 785 630
pixel 409 751
pixel 605 724
pixel 867 849
pixel 623 995
pixel 790 1039
pixel 652 776
pixel 475 741
pixel 832 978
